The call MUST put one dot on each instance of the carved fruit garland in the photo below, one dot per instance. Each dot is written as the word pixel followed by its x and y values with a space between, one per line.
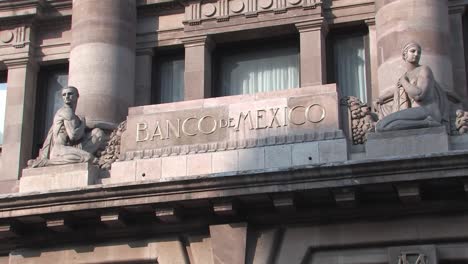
pixel 112 151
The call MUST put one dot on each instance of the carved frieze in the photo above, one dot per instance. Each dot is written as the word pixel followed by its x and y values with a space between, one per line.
pixel 222 10
pixel 17 37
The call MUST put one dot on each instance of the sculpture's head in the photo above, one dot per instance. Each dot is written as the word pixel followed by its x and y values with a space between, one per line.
pixel 412 53
pixel 70 95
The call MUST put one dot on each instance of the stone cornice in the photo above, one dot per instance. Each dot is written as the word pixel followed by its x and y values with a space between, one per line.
pixel 457 9
pixel 370 22
pixel 145 52
pixel 335 175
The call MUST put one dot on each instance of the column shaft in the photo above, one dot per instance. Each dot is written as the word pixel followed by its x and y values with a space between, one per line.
pixel 457 46
pixel 102 59
pixel 424 21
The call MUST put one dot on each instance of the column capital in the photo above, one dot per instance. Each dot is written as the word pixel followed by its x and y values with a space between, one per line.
pixel 201 40
pixel 313 25
pixel 457 9
pixel 145 52
pixel 24 62
pixel 370 22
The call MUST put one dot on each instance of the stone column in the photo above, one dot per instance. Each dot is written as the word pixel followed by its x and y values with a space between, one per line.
pixel 102 58
pixel 197 76
pixel 19 120
pixel 143 72
pixel 424 21
pixel 313 60
pixel 373 63
pixel 457 47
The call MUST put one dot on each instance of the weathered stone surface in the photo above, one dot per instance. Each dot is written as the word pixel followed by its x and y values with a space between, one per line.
pixel 333 150
pixel 229 243
pixel 58 177
pixel 407 142
pixel 305 154
pixel 175 166
pixel 278 156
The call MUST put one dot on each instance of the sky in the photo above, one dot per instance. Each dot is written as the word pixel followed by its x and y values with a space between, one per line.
pixel 2 109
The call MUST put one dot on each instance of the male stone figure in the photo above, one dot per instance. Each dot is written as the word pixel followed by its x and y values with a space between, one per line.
pixel 420 101
pixel 69 140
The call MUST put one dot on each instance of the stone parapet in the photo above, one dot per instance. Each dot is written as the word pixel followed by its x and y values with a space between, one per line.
pixel 223 162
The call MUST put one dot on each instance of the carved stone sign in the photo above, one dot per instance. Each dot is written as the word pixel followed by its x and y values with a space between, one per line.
pixel 311 110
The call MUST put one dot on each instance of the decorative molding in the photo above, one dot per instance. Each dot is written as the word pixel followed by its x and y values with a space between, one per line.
pixel 230 145
pixel 6 36
pixel 222 10
pixel 21 37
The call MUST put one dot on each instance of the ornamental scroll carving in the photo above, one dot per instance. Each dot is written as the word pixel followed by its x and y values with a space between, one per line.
pixel 222 10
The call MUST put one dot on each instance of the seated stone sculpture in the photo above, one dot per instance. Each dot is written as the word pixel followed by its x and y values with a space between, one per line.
pixel 69 140
pixel 419 101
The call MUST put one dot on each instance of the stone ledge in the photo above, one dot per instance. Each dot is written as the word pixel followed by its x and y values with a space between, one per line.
pixel 345 174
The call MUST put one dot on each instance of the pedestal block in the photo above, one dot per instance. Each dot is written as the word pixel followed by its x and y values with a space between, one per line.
pixel 58 177
pixel 407 142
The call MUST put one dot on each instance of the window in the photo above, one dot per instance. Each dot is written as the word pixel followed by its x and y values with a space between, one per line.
pixel 348 63
pixel 48 100
pixel 168 78
pixel 257 67
pixel 3 94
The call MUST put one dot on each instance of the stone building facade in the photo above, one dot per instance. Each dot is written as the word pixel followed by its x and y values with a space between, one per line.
pixel 238 131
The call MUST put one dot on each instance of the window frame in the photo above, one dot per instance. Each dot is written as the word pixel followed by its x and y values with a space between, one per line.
pixel 357 30
pixel 163 55
pixel 4 79
pixel 41 103
pixel 246 46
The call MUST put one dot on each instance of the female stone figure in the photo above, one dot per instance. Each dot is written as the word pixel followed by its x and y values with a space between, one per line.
pixel 421 102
